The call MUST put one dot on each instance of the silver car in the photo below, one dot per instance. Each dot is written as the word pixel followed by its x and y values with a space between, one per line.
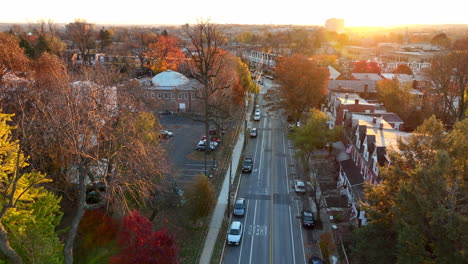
pixel 239 207
pixel 299 186
pixel 235 233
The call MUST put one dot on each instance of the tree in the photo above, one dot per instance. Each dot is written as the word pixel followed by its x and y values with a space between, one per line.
pixel 419 207
pixel 366 67
pixel 105 38
pixel 398 98
pixel 12 58
pixel 201 197
pixel 206 62
pixel 140 244
pixel 461 44
pixel 29 213
pixel 449 75
pixel 317 195
pixel 301 86
pixel 403 68
pixel 441 40
pixel 164 54
pixel 81 33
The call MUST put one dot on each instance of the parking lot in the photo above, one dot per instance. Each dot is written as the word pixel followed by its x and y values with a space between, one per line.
pixel 186 162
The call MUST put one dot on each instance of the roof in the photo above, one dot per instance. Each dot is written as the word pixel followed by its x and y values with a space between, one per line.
pixel 388 116
pixel 169 79
pixel 352 172
pixel 333 73
pixel 367 76
pixel 400 76
pixel 349 98
pixel 356 85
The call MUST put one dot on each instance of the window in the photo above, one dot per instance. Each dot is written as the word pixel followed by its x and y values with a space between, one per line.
pixel 186 96
pixel 159 96
pixel 180 95
pixel 172 95
pixel 193 95
pixel 166 96
pixel 152 95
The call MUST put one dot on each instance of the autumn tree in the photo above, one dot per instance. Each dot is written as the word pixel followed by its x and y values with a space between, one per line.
pixel 201 197
pixel 419 207
pixel 105 38
pixel 398 98
pixel 441 40
pixel 366 67
pixel 302 86
pixel 47 38
pixel 404 69
pixel 164 54
pixel 82 34
pixel 461 44
pixel 12 57
pixel 449 75
pixel 206 62
pixel 29 214
pixel 139 243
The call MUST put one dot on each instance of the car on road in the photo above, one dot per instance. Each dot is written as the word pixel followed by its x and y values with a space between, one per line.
pixel 239 207
pixel 215 139
pixel 253 132
pixel 307 218
pixel 257 111
pixel 257 117
pixel 235 233
pixel 247 165
pixel 299 186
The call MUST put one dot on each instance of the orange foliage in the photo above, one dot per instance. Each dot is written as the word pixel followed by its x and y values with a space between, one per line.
pixel 164 54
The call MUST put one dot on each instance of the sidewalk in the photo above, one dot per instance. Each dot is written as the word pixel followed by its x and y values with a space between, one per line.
pixel 220 209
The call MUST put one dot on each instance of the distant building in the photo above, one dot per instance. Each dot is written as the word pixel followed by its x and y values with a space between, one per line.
pixel 173 92
pixel 335 24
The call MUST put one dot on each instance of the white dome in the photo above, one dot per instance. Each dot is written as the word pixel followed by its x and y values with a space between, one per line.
pixel 169 79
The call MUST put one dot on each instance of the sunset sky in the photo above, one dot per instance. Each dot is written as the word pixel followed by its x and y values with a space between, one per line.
pixel 302 12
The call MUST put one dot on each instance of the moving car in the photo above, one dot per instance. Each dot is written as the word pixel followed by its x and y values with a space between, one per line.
pixel 235 233
pixel 257 117
pixel 307 218
pixel 299 186
pixel 253 132
pixel 315 260
pixel 247 165
pixel 257 111
pixel 239 207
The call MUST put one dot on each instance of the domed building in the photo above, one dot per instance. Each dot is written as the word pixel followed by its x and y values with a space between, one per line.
pixel 173 92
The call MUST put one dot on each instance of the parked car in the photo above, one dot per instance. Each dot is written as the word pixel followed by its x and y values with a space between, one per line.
pixel 165 134
pixel 201 146
pixel 215 139
pixel 257 111
pixel 307 218
pixel 257 117
pixel 247 165
pixel 239 207
pixel 253 132
pixel 315 260
pixel 235 233
pixel 299 186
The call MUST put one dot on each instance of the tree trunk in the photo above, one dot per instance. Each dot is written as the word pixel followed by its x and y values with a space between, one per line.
pixel 6 249
pixel 70 240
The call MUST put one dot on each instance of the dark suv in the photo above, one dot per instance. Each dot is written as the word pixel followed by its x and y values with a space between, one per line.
pixel 307 218
pixel 247 165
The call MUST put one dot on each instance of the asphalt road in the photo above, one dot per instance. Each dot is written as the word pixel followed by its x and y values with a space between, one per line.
pixel 272 229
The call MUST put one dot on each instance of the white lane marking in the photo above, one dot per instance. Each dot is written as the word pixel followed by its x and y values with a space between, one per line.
pixel 243 231
pixel 292 240
pixel 251 240
pixel 302 238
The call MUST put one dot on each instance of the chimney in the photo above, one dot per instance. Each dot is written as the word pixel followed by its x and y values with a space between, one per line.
pixel 356 101
pixel 346 96
pixel 374 120
pixel 381 126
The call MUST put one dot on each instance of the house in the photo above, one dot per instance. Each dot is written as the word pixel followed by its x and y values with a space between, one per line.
pixel 340 103
pixel 367 76
pixel 364 88
pixel 334 74
pixel 173 92
pixel 369 138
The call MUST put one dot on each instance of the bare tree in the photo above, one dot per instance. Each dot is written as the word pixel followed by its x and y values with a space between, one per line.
pixel 82 34
pixel 317 195
pixel 207 61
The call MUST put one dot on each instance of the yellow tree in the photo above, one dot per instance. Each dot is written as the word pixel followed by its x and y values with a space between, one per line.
pixel 24 206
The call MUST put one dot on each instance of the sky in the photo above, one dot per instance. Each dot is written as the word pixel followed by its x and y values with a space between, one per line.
pixel 295 12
